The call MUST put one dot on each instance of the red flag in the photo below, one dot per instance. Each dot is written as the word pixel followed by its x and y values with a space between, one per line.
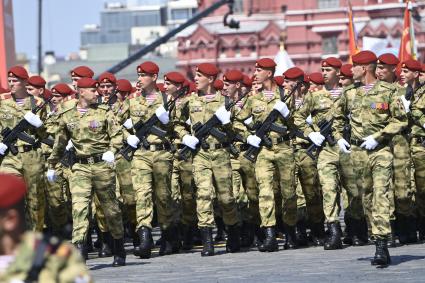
pixel 352 36
pixel 7 40
pixel 407 42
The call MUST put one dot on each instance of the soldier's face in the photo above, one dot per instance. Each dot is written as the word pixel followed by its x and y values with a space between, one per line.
pixel 16 84
pixel 330 74
pixel 38 92
pixel 385 72
pixel 245 89
pixel 407 76
pixel 261 75
pixel 358 72
pixel 106 89
pixel 74 82
pixel 56 99
pixel 230 88
pixel 146 80
pixel 89 94
pixel 289 84
pixel 202 82
pixel 345 81
pixel 171 88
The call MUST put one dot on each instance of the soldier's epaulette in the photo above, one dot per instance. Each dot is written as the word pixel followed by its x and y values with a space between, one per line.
pixel 134 95
pixel 386 85
pixel 5 96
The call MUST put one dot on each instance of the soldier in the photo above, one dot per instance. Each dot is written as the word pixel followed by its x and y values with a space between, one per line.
pixel 275 164
pixel 375 102
pixel 245 189
pixel 152 167
pixel 80 72
pixel 36 86
pixel 401 195
pixel 59 261
pixel 28 162
pixel 95 136
pixel 306 172
pixel 410 75
pixel 211 161
pixel 346 75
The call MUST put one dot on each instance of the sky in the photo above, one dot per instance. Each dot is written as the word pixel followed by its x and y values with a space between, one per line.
pixel 62 22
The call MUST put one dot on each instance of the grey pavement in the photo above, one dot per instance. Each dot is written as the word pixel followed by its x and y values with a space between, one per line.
pixel 313 264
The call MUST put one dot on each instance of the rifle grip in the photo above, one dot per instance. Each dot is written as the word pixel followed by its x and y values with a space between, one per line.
pixel 13 149
pixel 125 152
pixel 183 153
pixel 252 153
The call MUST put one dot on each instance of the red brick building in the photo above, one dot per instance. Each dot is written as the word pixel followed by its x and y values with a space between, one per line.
pixel 310 30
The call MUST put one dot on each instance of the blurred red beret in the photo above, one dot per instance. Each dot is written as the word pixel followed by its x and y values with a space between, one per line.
pixel 218 84
pixel 317 78
pixel 148 67
pixel 412 65
pixel 233 76
pixel 293 73
pixel 37 81
pixel 124 85
pixel 388 59
pixel 82 72
pixel 266 63
pixel 247 81
pixel 19 72
pixel 207 69
pixel 364 57
pixel 346 70
pixel 174 77
pixel 87 83
pixel 279 80
pixel 62 89
pixel 12 190
pixel 332 62
pixel 107 77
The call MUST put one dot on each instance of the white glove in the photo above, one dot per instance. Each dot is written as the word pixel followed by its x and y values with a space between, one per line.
pixel 133 141
pixel 128 124
pixel 423 126
pixel 188 122
pixel 69 145
pixel 3 148
pixel 317 138
pixel 190 141
pixel 163 115
pixel 369 143
pixel 108 157
pixel 344 146
pixel 282 108
pixel 33 119
pixel 406 103
pixel 51 175
pixel 309 120
pixel 253 140
pixel 223 115
pixel 248 121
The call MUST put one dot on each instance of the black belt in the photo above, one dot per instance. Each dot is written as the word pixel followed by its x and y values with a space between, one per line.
pixel 213 146
pixel 243 147
pixel 157 147
pixel 89 159
pixel 356 142
pixel 281 139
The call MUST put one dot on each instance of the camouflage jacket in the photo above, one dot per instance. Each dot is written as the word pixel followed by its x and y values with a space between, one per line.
pixel 418 113
pixel 63 265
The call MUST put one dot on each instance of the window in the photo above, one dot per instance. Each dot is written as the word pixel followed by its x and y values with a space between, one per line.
pixel 238 7
pixel 179 14
pixel 326 4
pixel 330 45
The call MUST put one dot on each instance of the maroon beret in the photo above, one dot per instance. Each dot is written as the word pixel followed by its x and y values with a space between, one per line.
pixel 124 85
pixel 63 89
pixel 332 62
pixel 148 67
pixel 37 81
pixel 293 73
pixel 87 83
pixel 247 81
pixel 12 190
pixel 317 78
pixel 388 59
pixel 174 77
pixel 346 70
pixel 161 87
pixel 233 76
pixel 107 77
pixel 207 69
pixel 423 67
pixel 364 57
pixel 47 94
pixel 19 72
pixel 412 65
pixel 218 84
pixel 265 63
pixel 82 72
pixel 279 80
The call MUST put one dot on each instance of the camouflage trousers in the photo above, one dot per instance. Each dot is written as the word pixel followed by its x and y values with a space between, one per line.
pixel 94 179
pixel 374 171
pixel 245 189
pixel 402 168
pixel 212 173
pixel 335 173
pixel 306 174
pixel 418 157
pixel 183 192
pixel 276 165
pixel 151 177
pixel 29 165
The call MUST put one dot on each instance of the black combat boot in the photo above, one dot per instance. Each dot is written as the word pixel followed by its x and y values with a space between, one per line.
pixel 421 228
pixel 259 235
pixel 333 241
pixel 135 238
pixel 317 233
pixel 82 248
pixel 247 235
pixel 290 238
pixel 175 239
pixel 233 243
pixel 412 236
pixel 348 230
pixel 207 241
pixel 165 247
pixel 119 252
pixel 356 226
pixel 187 237
pixel 105 240
pixel 197 237
pixel 382 256
pixel 89 242
pixel 145 236
pixel 392 238
pixel 220 236
pixel 402 229
pixel 270 243
pixel 301 233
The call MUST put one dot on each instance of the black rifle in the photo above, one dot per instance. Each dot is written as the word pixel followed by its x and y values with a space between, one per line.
pixel 144 129
pixel 68 158
pixel 202 131
pixel 10 136
pixel 266 127
pixel 326 131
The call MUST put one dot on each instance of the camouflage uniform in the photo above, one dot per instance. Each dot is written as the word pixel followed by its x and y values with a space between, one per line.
pixel 386 117
pixel 64 265
pixel 29 161
pixel 92 133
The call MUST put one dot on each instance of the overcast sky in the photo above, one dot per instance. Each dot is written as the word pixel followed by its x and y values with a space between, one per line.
pixel 62 22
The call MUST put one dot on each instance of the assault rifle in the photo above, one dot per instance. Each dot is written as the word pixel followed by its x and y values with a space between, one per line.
pixel 10 136
pixel 326 131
